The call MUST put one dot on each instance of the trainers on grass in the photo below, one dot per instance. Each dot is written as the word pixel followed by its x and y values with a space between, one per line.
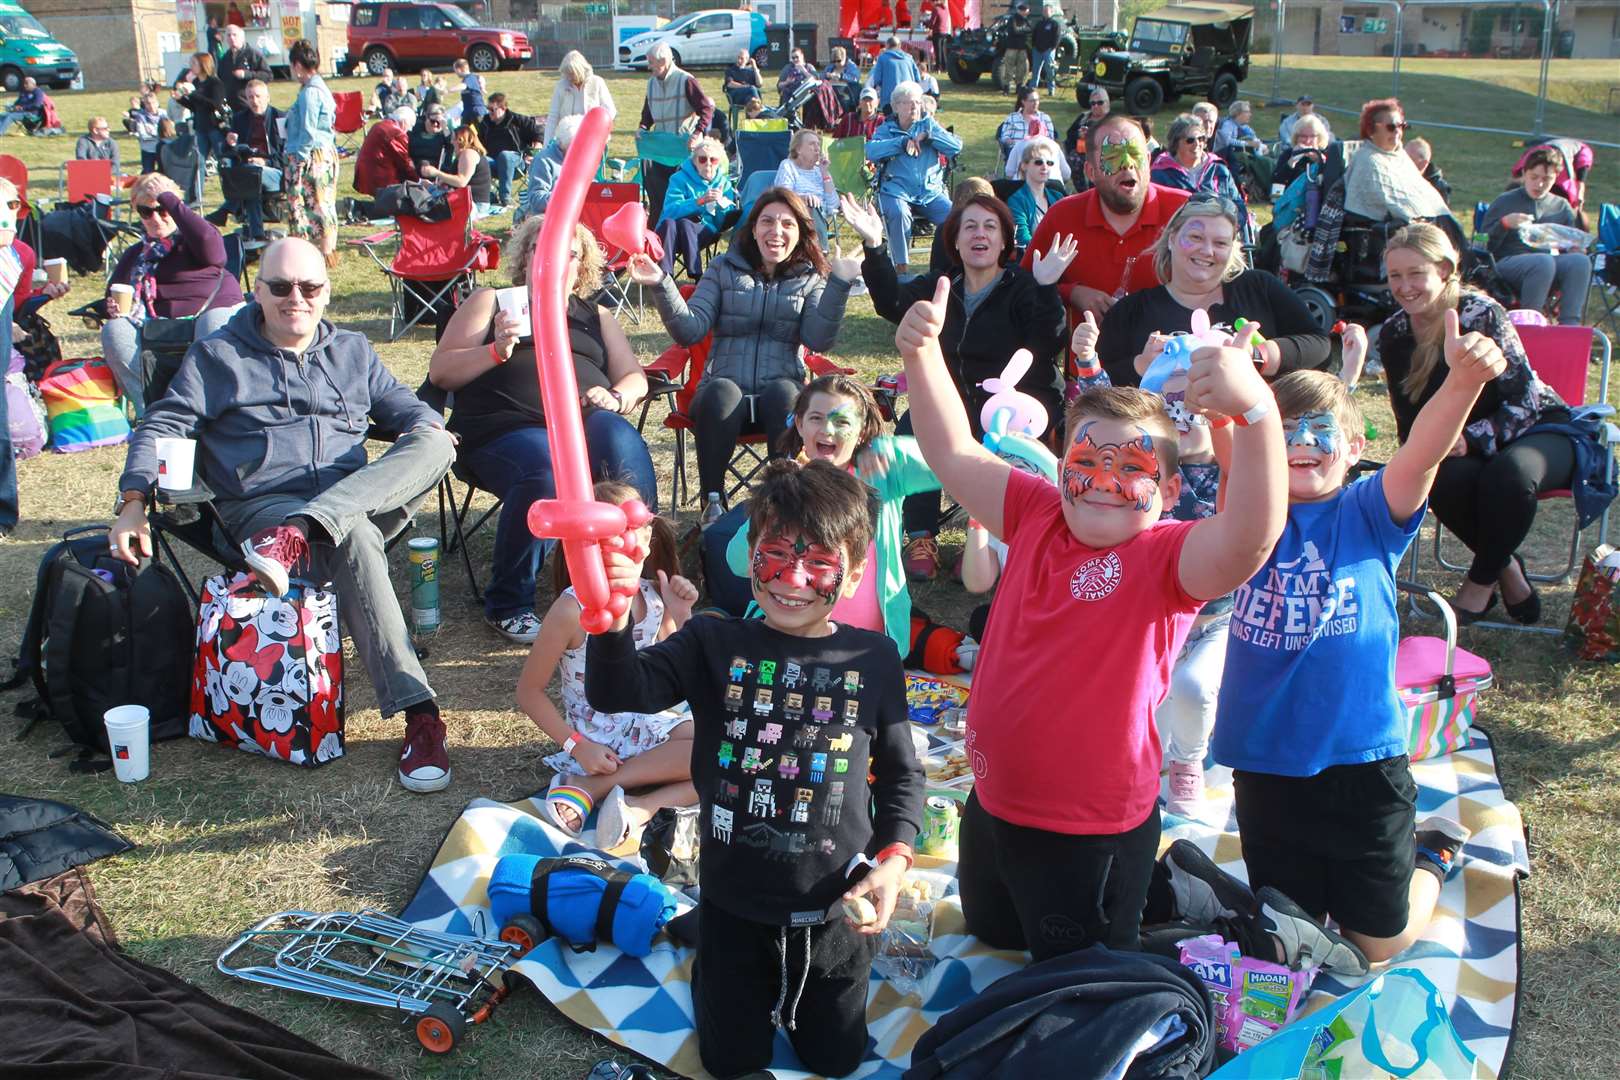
pixel 521 628
pixel 424 760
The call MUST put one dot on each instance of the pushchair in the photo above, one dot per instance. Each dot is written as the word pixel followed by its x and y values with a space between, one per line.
pixel 792 105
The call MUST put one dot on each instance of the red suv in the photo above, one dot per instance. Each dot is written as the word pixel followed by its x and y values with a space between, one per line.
pixel 411 36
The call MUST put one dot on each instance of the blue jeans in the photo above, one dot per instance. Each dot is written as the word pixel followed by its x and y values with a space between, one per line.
pixel 149 159
pixel 8 462
pixel 253 212
pixel 210 142
pixel 897 213
pixel 503 167
pixel 1043 62
pixel 516 467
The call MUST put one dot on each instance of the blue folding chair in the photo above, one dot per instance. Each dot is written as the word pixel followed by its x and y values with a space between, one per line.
pixel 760 151
pixel 756 185
pixel 1606 265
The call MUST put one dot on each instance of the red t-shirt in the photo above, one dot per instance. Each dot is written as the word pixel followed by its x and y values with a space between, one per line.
pixel 1105 254
pixel 1076 659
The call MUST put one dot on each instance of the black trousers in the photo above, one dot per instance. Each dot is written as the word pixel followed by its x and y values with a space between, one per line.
pixel 738 981
pixel 722 411
pixel 1053 893
pixel 919 513
pixel 1490 503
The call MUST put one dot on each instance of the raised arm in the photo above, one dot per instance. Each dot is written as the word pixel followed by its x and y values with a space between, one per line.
pixel 1224 551
pixel 967 470
pixel 1472 360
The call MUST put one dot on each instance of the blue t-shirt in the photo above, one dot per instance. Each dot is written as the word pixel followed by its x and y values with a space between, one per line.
pixel 1310 665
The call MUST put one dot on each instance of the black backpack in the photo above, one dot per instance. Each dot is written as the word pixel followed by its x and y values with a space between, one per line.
pixel 103 633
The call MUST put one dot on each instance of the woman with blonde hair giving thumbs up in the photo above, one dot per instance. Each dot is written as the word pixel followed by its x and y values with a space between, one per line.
pixel 1486 490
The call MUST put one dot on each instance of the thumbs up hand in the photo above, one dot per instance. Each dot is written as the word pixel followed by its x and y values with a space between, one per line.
pixel 1473 358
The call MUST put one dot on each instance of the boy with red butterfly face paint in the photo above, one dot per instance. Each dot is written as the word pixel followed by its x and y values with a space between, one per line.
pixel 781 866
pixel 1060 834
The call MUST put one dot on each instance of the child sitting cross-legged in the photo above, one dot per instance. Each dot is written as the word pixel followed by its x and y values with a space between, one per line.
pixel 1060 833
pixel 606 754
pixel 1308 717
pixel 790 713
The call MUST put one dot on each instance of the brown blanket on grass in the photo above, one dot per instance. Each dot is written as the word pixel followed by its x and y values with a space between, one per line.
pixel 75 1006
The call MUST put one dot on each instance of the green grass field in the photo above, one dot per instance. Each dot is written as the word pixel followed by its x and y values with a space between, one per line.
pixel 224 840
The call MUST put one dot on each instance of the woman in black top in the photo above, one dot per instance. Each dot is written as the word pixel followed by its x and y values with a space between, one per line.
pixel 486 359
pixel 1201 264
pixel 1485 491
pixel 206 102
pixel 1006 308
pixel 471 167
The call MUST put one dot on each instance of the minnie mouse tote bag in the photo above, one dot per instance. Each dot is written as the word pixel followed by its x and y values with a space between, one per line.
pixel 269 671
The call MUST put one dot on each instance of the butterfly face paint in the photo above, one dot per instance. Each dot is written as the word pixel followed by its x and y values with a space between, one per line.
pixel 1129 469
pixel 1317 431
pixel 799 564
pixel 1116 153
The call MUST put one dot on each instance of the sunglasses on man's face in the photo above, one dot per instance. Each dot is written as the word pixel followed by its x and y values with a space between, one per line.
pixel 149 210
pixel 283 289
pixel 1098 104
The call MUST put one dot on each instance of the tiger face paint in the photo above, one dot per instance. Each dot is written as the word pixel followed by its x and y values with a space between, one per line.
pixel 1128 469
pixel 798 564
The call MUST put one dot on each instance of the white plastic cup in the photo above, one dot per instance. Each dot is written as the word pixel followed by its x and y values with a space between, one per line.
pixel 41 279
pixel 515 300
pixel 127 731
pixel 176 461
pixel 57 271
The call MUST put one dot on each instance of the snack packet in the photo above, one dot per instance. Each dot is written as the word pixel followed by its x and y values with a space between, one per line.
pixel 1253 998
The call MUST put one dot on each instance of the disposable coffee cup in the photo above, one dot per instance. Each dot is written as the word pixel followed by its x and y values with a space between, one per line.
pixel 176 459
pixel 127 731
pixel 57 271
pixel 40 279
pixel 123 297
pixel 516 301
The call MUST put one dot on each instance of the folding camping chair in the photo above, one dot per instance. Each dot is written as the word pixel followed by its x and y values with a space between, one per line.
pixel 28 221
pixel 80 181
pixel 602 201
pixel 435 262
pixel 350 120
pixel 1560 357
pixel 666 148
pixel 762 145
pixel 748 194
pixel 1606 265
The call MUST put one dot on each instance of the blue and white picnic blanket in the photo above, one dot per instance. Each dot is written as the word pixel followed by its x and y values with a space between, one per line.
pixel 1470 951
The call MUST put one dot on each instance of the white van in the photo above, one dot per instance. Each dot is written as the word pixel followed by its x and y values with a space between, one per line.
pixel 712 37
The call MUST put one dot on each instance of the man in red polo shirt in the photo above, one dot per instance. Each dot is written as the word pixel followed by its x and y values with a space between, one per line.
pixel 1116 222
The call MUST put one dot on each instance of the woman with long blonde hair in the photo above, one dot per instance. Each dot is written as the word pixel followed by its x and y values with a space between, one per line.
pixel 1486 491
pixel 472 166
pixel 579 90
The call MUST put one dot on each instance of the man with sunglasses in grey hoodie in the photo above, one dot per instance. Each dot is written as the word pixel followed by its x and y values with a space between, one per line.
pixel 279 401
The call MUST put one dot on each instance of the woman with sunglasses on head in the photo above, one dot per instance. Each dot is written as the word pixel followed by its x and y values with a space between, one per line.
pixel 312 157
pixel 1381 182
pixel 470 167
pixel 486 358
pixel 1200 264
pixel 769 298
pixel 1039 168
pixel 1187 165
pixel 177 269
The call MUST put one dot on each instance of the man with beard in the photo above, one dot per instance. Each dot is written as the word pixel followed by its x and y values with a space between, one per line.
pixel 1116 221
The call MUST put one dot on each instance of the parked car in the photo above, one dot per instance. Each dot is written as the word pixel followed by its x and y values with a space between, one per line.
pixel 703 38
pixel 27 48
pixel 1198 49
pixel 411 36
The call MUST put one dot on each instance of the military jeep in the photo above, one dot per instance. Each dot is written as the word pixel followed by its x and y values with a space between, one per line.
pixel 1197 49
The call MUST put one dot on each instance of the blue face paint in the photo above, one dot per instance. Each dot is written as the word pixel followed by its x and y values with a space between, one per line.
pixel 1317 431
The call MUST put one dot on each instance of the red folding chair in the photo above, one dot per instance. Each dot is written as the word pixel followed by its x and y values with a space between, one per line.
pixel 78 181
pixel 683 366
pixel 1561 357
pixel 350 120
pixel 14 169
pixel 602 201
pixel 433 262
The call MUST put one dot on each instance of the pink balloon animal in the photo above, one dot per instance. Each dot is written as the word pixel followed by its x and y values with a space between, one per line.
pixel 1010 410
pixel 574 517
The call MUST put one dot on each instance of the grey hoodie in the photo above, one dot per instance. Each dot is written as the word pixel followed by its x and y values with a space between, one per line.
pixel 271 422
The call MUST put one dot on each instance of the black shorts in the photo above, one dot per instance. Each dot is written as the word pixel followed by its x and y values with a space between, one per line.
pixel 1337 843
pixel 1053 893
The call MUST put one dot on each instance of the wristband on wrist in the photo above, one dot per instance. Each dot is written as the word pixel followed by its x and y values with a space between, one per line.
pixel 1254 414
pixel 496 355
pixel 571 742
pixel 902 850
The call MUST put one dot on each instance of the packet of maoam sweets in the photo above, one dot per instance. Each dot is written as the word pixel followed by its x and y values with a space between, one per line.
pixel 1253 998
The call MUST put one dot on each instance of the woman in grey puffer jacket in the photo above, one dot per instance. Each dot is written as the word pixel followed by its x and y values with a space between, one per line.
pixel 771 293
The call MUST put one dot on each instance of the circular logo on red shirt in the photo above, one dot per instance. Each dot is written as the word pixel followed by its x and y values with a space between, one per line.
pixel 1096 578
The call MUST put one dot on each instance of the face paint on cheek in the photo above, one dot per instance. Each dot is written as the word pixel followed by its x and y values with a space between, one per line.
pixel 841 424
pixel 799 565
pixel 1317 431
pixel 1129 469
pixel 1115 154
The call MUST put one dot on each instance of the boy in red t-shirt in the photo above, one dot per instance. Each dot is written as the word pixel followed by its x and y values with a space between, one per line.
pixel 1060 834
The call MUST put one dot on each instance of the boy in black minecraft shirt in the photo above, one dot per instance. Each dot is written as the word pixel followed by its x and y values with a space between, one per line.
pixel 790 713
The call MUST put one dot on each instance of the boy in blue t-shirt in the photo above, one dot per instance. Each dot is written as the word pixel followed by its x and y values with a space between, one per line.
pixel 1308 718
